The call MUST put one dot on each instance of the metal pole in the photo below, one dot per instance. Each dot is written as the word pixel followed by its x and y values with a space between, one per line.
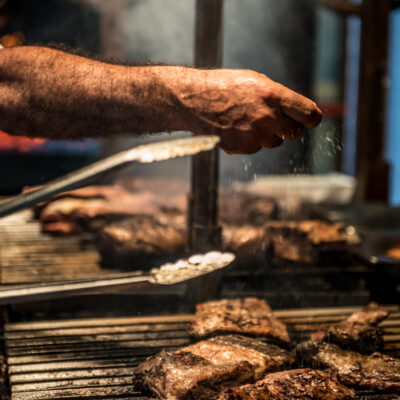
pixel 204 232
pixel 372 170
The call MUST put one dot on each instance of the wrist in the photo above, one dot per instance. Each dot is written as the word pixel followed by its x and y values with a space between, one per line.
pixel 179 83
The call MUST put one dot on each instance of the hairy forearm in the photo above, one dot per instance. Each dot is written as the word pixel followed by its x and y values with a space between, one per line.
pixel 49 93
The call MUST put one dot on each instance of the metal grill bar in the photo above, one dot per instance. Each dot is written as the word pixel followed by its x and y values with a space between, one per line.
pixel 28 256
pixel 95 358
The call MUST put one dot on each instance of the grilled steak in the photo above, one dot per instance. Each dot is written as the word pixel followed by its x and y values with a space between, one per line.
pixel 371 314
pixel 238 209
pixel 183 375
pixel 248 316
pixel 245 241
pixel 89 209
pixel 358 332
pixel 304 241
pixel 300 384
pixel 376 372
pixel 148 239
pixel 142 242
pixel 232 349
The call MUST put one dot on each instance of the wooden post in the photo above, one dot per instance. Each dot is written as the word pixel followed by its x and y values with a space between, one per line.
pixel 372 170
pixel 204 233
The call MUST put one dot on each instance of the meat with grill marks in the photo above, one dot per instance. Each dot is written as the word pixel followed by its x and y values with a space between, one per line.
pixel 247 316
pixel 358 332
pixel 304 241
pixel 185 376
pixel 376 372
pixel 264 357
pixel 300 384
pixel 142 242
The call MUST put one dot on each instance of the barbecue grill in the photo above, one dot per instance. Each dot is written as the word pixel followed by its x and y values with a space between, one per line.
pixel 66 355
pixel 95 358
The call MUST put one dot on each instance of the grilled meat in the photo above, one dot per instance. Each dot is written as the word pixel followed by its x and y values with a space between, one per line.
pixel 248 316
pixel 232 349
pixel 376 372
pixel 138 240
pixel 371 314
pixel 238 209
pixel 303 241
pixel 358 332
pixel 300 384
pixel 245 241
pixel 183 375
pixel 90 209
pixel 142 242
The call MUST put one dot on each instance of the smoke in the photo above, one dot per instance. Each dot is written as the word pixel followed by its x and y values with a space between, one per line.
pixel 272 37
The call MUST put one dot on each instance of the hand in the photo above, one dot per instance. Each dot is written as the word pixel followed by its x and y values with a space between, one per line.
pixel 246 109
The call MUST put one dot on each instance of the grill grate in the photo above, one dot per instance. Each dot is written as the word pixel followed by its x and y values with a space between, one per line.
pixel 29 256
pixel 95 358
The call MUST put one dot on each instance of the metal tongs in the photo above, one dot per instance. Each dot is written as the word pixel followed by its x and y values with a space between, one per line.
pixel 147 153
pixel 168 274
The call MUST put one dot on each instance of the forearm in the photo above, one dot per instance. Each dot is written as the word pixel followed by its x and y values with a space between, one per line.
pixel 49 93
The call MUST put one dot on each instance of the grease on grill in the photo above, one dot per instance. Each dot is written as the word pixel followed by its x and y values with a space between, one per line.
pixel 190 268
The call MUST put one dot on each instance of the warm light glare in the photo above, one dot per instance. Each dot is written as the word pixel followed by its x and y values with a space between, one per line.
pixel 20 144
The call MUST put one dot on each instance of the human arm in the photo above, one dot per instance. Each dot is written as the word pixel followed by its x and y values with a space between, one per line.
pixel 50 93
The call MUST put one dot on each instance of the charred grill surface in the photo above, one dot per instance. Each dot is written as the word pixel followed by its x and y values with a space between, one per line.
pixel 263 357
pixel 95 358
pixel 377 372
pixel 248 316
pixel 358 332
pixel 300 384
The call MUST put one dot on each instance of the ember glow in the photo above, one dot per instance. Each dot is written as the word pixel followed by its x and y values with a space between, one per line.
pixel 20 144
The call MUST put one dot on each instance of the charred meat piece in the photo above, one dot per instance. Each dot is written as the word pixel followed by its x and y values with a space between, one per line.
pixel 248 316
pixel 299 384
pixel 92 207
pixel 376 372
pixel 303 241
pixel 232 349
pixel 142 242
pixel 238 208
pixel 244 241
pixel 358 332
pixel 371 314
pixel 352 336
pixel 183 375
pixel 157 237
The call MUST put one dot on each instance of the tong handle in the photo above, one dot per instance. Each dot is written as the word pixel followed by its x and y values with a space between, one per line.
pixel 147 153
pixel 37 292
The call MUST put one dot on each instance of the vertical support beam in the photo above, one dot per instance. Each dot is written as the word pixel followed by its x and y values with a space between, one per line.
pixel 204 233
pixel 372 171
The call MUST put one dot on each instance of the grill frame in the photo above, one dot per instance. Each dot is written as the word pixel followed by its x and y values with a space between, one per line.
pixel 95 358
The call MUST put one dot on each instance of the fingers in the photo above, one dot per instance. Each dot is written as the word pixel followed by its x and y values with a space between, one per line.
pixel 300 109
pixel 239 143
pixel 239 150
pixel 268 141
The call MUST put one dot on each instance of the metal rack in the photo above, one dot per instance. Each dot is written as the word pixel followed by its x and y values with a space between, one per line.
pixel 95 358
